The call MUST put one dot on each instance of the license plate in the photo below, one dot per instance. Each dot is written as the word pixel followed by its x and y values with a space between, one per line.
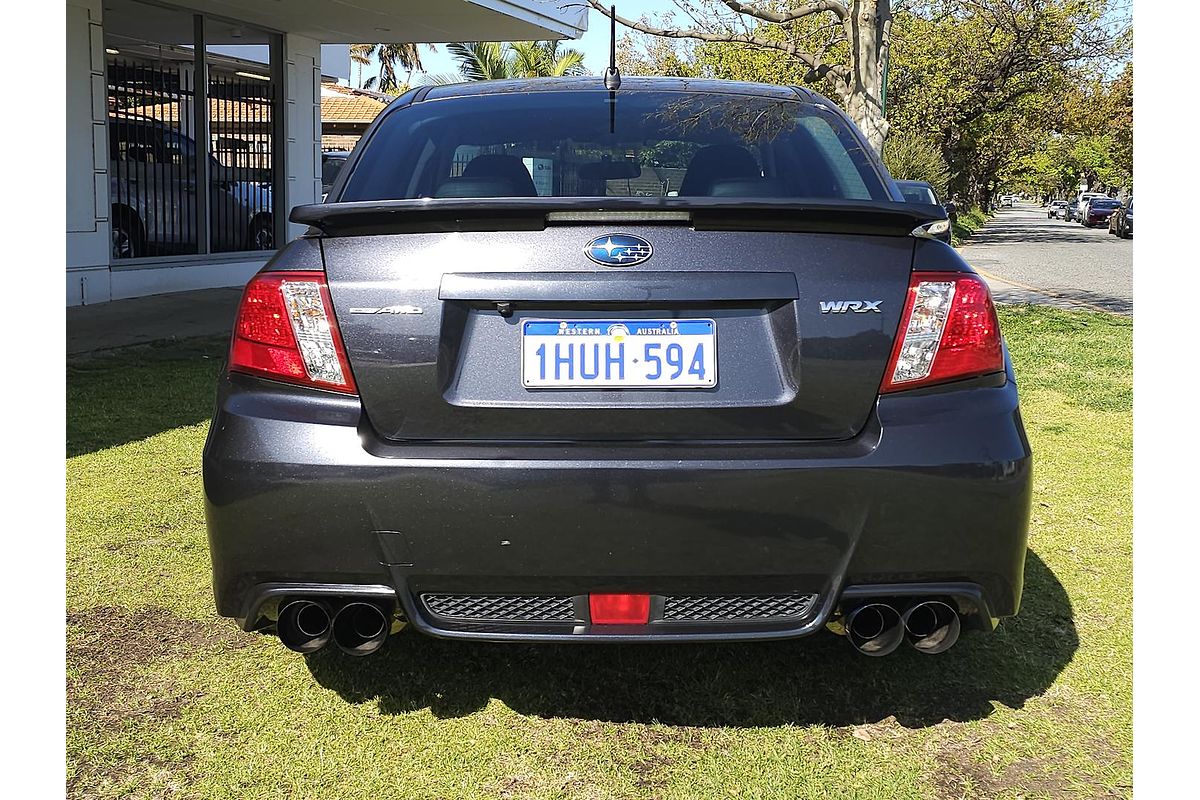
pixel 601 353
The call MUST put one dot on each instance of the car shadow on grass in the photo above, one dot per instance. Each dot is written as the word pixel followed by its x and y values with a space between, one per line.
pixel 132 393
pixel 818 680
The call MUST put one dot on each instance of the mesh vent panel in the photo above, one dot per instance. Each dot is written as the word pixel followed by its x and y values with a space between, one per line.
pixel 703 608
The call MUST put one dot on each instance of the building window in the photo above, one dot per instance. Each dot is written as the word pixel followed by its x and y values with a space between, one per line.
pixel 192 162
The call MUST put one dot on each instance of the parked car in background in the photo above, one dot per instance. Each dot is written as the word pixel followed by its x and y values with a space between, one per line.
pixel 1006 201
pixel 923 193
pixel 332 162
pixel 152 188
pixel 498 394
pixel 1056 209
pixel 1076 206
pixel 1098 210
pixel 1121 221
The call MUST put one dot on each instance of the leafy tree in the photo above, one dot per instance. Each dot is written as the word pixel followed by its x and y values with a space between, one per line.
pixel 1087 138
pixel 1097 121
pixel 639 54
pixel 987 79
pixel 1046 169
pixel 1121 121
pixel 1092 156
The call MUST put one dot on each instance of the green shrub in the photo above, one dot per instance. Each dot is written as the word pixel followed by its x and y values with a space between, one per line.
pixel 969 221
pixel 914 158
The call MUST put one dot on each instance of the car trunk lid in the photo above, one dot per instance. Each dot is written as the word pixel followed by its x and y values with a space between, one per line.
pixel 432 308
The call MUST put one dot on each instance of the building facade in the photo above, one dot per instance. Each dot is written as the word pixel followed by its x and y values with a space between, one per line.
pixel 193 128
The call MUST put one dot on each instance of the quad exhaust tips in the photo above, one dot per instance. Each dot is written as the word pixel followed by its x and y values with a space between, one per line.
pixel 304 625
pixel 877 629
pixel 359 629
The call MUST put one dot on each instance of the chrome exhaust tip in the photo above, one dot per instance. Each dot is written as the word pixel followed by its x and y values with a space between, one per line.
pixel 359 629
pixel 303 625
pixel 932 626
pixel 874 629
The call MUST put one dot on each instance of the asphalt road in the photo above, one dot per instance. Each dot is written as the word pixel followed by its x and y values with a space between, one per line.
pixel 1027 258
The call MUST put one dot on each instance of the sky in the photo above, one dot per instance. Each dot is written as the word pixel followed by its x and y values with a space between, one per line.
pixel 593 44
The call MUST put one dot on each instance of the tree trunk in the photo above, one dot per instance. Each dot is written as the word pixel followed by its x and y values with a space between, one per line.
pixel 868 32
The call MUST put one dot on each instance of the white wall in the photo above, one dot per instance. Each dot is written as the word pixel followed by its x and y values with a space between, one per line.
pixel 127 283
pixel 302 121
pixel 87 156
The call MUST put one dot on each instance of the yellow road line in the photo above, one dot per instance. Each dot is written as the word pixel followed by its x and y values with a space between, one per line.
pixel 1045 292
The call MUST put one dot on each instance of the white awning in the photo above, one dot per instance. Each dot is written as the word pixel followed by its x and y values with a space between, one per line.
pixel 351 21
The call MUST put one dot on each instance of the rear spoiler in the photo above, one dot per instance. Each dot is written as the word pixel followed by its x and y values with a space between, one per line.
pixel 362 218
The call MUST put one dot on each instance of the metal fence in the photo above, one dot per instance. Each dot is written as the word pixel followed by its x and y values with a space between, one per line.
pixel 240 126
pixel 152 160
pixel 159 178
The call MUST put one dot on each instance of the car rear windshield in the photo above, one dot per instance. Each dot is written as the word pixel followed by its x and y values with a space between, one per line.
pixel 577 144
pixel 1106 204
pixel 916 193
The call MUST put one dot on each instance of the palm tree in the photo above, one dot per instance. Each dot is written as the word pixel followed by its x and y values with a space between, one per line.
pixel 485 61
pixel 361 54
pixel 480 61
pixel 543 60
pixel 405 55
pixel 390 55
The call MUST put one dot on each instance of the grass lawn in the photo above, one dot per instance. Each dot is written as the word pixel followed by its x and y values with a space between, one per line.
pixel 166 700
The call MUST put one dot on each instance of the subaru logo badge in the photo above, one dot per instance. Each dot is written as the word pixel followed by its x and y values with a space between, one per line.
pixel 618 250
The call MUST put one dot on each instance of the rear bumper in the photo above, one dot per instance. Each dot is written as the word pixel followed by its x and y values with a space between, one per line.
pixel 933 495
pixel 969 599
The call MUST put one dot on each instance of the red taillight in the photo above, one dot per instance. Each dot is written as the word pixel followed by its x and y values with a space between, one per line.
pixel 948 332
pixel 619 609
pixel 286 331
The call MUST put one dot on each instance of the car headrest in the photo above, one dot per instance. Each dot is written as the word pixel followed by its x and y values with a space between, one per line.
pixel 480 187
pixel 717 162
pixel 510 168
pixel 748 187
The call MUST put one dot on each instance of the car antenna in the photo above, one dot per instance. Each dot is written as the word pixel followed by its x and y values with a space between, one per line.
pixel 612 75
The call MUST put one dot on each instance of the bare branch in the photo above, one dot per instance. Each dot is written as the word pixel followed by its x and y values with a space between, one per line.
pixel 782 17
pixel 693 14
pixel 817 70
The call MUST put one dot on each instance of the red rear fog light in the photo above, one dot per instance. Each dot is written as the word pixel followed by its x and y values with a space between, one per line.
pixel 619 609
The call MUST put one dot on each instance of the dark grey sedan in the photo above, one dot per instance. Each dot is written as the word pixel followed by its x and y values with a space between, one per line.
pixel 675 362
